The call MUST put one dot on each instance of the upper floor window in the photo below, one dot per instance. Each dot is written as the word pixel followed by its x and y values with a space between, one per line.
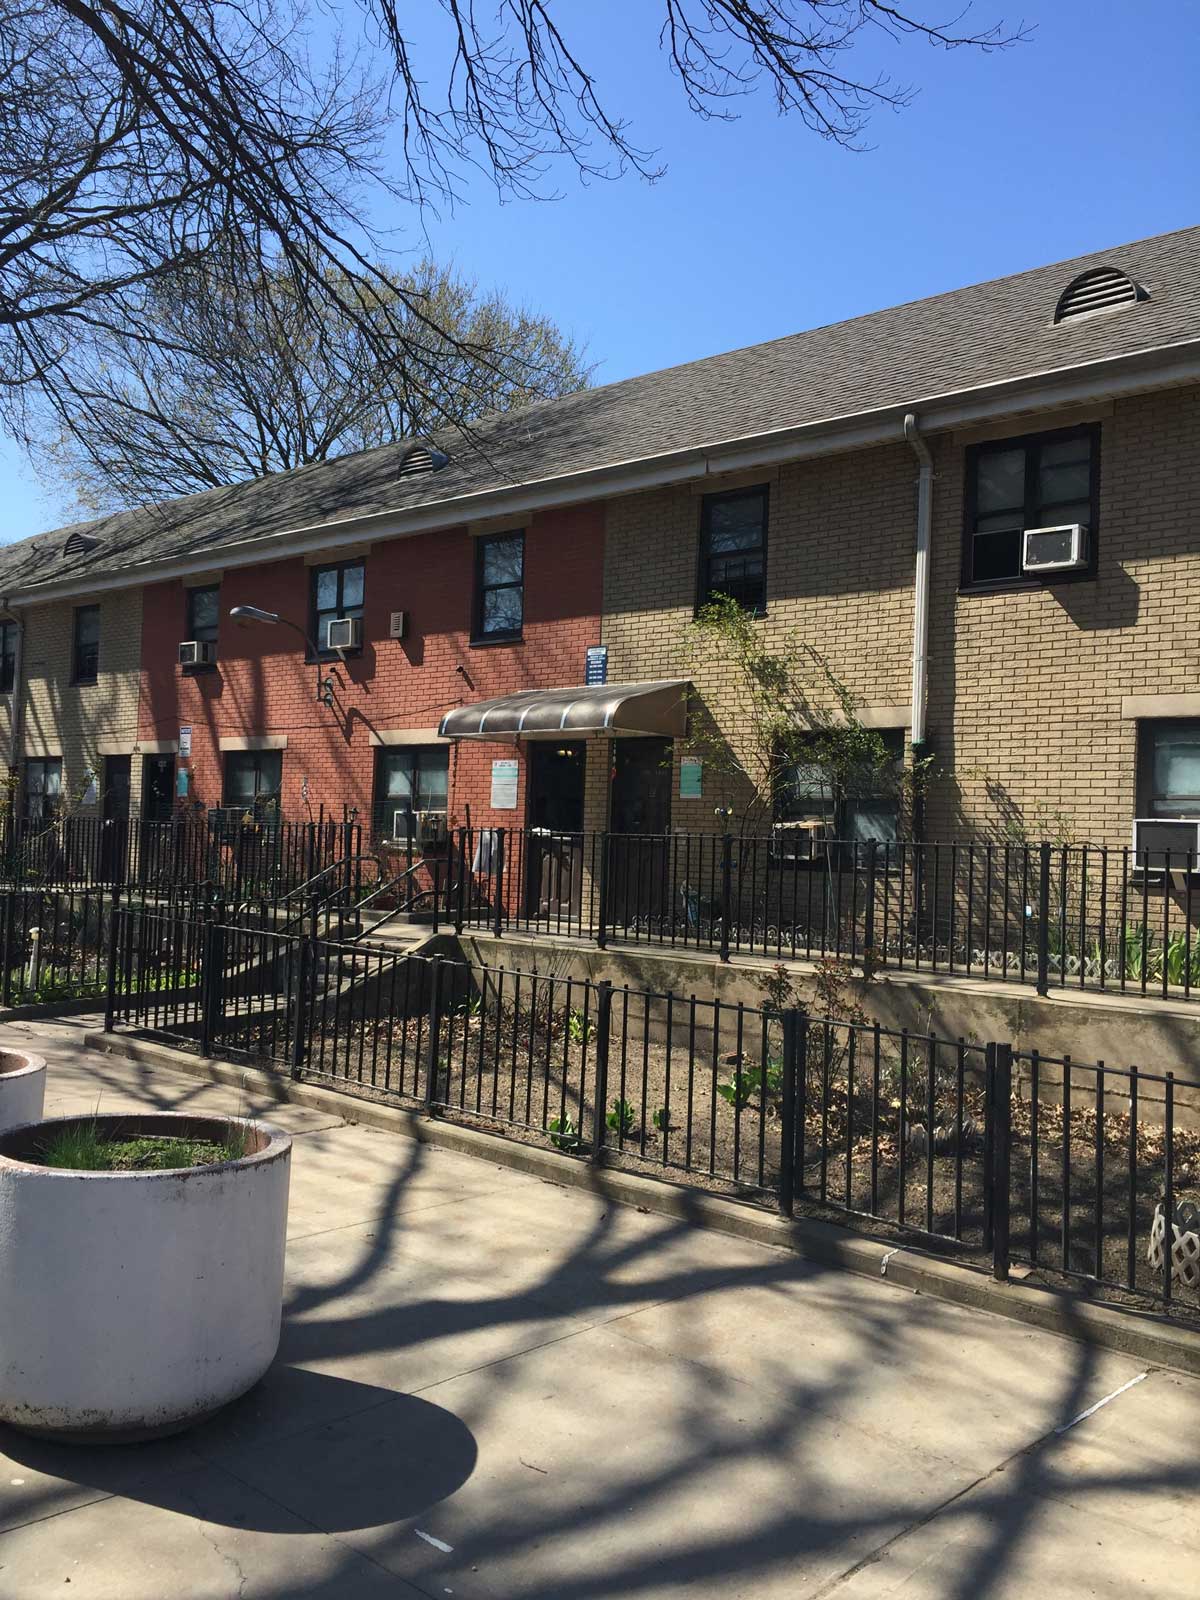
pixel 203 612
pixel 857 807
pixel 337 593
pixel 1169 769
pixel 499 586
pixel 85 656
pixel 253 778
pixel 8 657
pixel 43 787
pixel 733 548
pixel 1043 480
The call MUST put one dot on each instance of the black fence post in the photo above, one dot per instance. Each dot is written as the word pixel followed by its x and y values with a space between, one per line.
pixel 10 907
pixel 604 994
pixel 1043 932
pixel 433 1038
pixel 212 983
pixel 462 881
pixel 110 973
pixel 498 883
pixel 303 967
pixel 794 1051
pixel 998 1157
pixel 726 892
pixel 868 951
pixel 602 895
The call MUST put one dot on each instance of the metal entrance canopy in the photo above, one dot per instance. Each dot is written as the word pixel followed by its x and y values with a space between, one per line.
pixel 659 707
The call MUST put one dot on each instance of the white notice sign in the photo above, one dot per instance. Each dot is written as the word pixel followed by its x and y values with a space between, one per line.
pixel 185 742
pixel 504 785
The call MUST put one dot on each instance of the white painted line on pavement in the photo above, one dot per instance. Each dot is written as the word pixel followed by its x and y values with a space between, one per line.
pixel 446 1549
pixel 1091 1410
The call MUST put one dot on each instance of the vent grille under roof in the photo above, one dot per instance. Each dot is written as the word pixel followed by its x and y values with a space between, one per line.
pixel 1101 289
pixel 78 544
pixel 420 458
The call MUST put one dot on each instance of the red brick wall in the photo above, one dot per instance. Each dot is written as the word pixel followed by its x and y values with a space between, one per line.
pixel 264 686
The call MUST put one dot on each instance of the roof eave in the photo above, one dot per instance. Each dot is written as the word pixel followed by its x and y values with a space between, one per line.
pixel 1162 366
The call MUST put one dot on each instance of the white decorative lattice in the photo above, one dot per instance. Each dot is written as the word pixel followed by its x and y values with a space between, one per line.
pixel 1185 1251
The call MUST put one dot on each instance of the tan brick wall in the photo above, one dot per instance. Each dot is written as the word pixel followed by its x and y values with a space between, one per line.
pixel 71 720
pixel 1025 688
pixel 839 574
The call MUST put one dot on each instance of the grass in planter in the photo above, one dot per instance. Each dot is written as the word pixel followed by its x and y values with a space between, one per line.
pixel 82 1148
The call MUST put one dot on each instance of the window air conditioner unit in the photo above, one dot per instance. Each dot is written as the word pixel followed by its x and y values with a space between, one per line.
pixel 197 653
pixel 344 633
pixel 1159 839
pixel 1060 549
pixel 799 841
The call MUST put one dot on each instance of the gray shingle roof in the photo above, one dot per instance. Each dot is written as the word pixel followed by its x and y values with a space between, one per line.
pixel 938 346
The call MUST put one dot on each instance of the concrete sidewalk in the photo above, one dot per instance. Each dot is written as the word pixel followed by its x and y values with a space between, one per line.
pixel 490 1386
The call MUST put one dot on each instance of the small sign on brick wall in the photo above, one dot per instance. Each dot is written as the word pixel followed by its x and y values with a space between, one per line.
pixel 504 785
pixel 596 668
pixel 691 778
pixel 185 742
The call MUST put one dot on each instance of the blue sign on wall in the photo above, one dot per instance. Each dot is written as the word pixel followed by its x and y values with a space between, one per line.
pixel 597 664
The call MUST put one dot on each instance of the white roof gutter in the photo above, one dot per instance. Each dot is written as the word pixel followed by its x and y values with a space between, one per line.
pixel 1110 378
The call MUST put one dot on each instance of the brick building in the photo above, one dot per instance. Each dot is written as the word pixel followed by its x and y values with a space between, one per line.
pixel 868 488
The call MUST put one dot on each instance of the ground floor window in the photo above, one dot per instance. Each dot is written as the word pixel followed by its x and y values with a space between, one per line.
pixel 1169 769
pixel 860 809
pixel 43 787
pixel 409 778
pixel 253 778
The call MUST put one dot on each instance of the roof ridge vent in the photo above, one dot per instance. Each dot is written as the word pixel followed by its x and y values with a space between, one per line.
pixel 1097 289
pixel 421 457
pixel 78 544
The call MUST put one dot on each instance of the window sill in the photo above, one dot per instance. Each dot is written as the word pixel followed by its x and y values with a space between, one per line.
pixel 486 640
pixel 1027 585
pixel 331 657
pixel 85 683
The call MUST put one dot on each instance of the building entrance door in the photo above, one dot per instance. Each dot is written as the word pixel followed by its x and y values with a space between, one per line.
pixel 555 871
pixel 639 879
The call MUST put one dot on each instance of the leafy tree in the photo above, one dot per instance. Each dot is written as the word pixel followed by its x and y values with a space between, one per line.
pixel 220 384
pixel 139 136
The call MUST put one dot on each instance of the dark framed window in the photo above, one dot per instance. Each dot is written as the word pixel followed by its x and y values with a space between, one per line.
pixel 860 810
pixel 733 548
pixel 85 653
pixel 43 787
pixel 252 778
pixel 336 592
pixel 8 657
pixel 203 614
pixel 1169 768
pixel 1040 480
pixel 409 778
pixel 499 587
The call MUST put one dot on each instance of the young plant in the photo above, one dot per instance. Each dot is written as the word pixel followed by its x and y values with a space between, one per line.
pixel 621 1118
pixel 579 1027
pixel 662 1119
pixel 564 1135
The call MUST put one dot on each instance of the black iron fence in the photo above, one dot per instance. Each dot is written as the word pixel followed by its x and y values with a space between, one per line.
pixel 1074 1168
pixel 1080 916
pixel 231 854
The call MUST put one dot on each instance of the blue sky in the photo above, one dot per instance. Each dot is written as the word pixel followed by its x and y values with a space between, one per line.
pixel 1086 136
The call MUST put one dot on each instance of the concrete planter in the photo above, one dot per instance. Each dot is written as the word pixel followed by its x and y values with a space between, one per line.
pixel 22 1088
pixel 135 1303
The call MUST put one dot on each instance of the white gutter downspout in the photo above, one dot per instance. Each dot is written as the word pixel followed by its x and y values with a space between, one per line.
pixel 920 649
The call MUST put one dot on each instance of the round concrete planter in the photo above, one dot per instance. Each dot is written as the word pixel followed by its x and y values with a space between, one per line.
pixel 135 1303
pixel 22 1088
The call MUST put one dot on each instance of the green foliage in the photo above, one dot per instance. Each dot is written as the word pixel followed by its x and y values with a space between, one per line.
pixel 662 1119
pixel 777 988
pixel 622 1116
pixel 791 708
pixel 579 1027
pixel 564 1135
pixel 82 1147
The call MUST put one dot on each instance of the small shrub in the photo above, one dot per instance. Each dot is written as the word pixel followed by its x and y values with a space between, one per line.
pixel 621 1118
pixel 579 1027
pixel 564 1135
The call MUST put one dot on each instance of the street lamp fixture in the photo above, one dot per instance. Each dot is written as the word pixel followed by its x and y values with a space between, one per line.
pixel 258 614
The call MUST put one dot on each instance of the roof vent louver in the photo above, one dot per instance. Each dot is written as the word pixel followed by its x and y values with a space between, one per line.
pixel 1100 289
pixel 419 458
pixel 78 544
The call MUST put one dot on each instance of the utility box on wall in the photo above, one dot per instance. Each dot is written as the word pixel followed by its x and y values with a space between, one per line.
pixel 398 625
